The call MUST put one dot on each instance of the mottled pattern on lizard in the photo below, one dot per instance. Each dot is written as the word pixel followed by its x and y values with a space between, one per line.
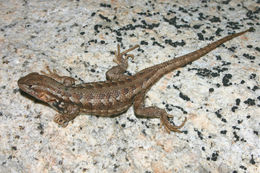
pixel 113 96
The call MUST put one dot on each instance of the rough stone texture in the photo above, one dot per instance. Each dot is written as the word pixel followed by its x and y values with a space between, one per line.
pixel 219 94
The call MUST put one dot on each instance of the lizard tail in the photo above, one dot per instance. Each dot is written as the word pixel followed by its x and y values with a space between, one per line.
pixel 190 57
pixel 173 64
pixel 160 70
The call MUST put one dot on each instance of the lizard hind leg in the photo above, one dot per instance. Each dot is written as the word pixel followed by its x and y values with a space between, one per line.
pixel 117 72
pixel 155 112
pixel 119 56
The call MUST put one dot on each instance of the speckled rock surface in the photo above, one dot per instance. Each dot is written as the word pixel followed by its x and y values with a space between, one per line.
pixel 219 94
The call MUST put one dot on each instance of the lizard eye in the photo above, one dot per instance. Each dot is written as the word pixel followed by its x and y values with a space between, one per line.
pixel 30 86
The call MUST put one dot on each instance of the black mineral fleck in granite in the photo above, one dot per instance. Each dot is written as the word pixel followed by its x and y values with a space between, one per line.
pixel 250 102
pixel 226 80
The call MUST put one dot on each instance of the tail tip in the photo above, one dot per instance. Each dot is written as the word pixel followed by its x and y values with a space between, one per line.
pixel 251 29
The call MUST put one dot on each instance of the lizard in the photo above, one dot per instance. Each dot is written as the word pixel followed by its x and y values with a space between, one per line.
pixel 115 95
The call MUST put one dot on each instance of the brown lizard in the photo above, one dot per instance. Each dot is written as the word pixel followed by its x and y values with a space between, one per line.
pixel 113 96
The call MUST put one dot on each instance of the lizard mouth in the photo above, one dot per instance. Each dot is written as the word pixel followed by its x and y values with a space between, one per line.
pixel 25 81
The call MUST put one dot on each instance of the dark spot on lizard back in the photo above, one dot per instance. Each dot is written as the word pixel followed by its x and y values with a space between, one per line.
pixel 129 80
pixel 100 106
pixel 89 106
pixel 101 96
pixel 133 87
pixel 106 84
pixel 116 94
pixel 125 91
pixel 114 83
pixel 88 86
pixel 98 85
pixel 121 82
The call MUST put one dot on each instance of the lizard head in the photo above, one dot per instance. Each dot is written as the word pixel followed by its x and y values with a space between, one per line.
pixel 39 86
pixel 49 91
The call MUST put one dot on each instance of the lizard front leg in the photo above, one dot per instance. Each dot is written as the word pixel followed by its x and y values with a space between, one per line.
pixel 66 80
pixel 67 112
pixel 154 112
pixel 117 72
pixel 63 119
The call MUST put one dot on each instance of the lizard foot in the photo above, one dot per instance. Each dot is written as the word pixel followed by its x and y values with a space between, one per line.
pixel 119 56
pixel 168 126
pixel 61 120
